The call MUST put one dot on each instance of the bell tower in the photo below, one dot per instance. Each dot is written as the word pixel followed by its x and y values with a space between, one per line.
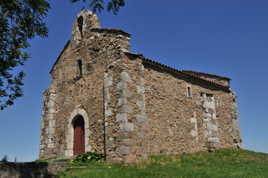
pixel 84 21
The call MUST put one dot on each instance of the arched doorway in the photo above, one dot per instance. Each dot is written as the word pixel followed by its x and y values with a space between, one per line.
pixel 77 112
pixel 79 135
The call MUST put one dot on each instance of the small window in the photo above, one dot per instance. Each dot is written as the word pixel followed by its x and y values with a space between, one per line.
pixel 189 92
pixel 209 95
pixel 80 22
pixel 80 68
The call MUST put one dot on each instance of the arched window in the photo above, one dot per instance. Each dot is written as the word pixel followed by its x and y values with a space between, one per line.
pixel 80 68
pixel 189 92
pixel 80 22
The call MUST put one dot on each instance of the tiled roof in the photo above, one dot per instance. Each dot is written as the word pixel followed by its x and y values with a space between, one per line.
pixel 192 74
pixel 206 74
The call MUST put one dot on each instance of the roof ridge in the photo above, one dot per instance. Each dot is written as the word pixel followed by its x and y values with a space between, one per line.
pixel 164 66
pixel 208 74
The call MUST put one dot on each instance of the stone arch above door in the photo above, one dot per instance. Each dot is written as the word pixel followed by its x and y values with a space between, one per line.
pixel 70 131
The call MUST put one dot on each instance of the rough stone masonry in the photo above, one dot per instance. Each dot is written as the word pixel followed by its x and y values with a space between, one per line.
pixel 105 99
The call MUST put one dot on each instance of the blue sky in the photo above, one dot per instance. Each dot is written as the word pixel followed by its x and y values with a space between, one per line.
pixel 228 38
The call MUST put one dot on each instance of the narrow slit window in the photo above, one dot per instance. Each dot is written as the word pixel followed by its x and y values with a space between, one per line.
pixel 80 22
pixel 209 95
pixel 189 92
pixel 80 68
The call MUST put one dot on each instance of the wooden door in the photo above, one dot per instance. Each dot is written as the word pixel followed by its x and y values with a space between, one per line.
pixel 79 136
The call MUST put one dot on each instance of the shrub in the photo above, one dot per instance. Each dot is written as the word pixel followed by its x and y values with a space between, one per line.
pixel 88 157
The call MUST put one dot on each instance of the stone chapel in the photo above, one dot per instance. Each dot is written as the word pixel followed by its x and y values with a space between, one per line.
pixel 105 99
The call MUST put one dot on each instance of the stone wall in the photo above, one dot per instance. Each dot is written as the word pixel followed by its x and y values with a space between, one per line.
pixel 181 123
pixel 149 112
pixel 24 170
pixel 71 93
pixel 125 105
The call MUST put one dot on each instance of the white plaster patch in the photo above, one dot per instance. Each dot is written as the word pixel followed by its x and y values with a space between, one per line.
pixel 107 96
pixel 214 139
pixel 127 127
pixel 50 130
pixel 209 105
pixel 122 101
pixel 125 77
pixel 126 108
pixel 125 150
pixel 210 120
pixel 194 131
pixel 122 117
pixel 108 113
pixel 141 104
pixel 212 127
pixel 141 118
pixel 123 107
pixel 121 86
pixel 140 89
pixel 108 83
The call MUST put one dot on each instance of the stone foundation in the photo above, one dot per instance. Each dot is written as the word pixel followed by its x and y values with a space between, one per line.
pixel 24 170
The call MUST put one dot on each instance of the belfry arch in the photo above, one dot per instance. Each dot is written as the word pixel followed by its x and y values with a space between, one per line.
pixel 78 125
pixel 80 23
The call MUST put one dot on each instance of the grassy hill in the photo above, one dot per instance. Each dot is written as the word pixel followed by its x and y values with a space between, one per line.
pixel 219 164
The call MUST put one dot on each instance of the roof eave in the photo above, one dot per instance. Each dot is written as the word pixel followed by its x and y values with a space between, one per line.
pixel 58 58
pixel 170 69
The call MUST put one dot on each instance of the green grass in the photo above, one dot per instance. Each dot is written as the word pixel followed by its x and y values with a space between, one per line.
pixel 219 164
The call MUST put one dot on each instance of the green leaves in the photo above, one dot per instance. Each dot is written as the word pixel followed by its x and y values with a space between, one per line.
pixel 115 5
pixel 20 20
pixel 99 5
pixel 88 157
